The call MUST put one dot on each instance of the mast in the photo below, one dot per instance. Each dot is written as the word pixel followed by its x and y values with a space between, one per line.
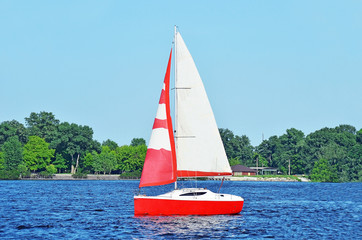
pixel 175 129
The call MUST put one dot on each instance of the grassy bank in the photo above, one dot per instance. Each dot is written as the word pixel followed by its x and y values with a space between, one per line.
pixel 270 178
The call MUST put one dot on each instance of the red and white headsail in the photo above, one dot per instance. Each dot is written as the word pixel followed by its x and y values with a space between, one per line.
pixel 160 162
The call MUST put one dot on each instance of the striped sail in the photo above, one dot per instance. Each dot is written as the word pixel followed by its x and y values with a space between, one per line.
pixel 160 162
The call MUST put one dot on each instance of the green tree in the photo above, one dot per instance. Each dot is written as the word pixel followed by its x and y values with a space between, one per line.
pixel 234 161
pixel 12 153
pixel 74 140
pixel 111 144
pixel 227 136
pixel 259 160
pixel 10 129
pixel 343 128
pixel 43 125
pixel 292 146
pixel 237 147
pixel 271 150
pixel 37 154
pixel 130 158
pixel 51 169
pixel 359 136
pixel 138 141
pixel 59 162
pixel 88 162
pixel 353 168
pixel 106 161
pixel 335 145
pixel 23 170
pixel 315 142
pixel 2 161
pixel 243 149
pixel 323 172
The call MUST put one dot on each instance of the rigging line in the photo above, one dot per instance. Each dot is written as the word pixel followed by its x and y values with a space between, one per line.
pixel 196 179
pixel 221 184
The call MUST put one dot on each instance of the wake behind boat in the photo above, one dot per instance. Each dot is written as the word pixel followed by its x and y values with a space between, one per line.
pixel 193 149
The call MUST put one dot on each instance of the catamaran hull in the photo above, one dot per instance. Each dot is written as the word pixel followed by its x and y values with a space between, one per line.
pixel 155 206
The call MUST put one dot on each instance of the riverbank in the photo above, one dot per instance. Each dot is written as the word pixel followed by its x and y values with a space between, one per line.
pixel 87 177
pixel 117 177
pixel 269 179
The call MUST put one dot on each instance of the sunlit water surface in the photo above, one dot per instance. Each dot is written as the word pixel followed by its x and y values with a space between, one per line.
pixel 104 210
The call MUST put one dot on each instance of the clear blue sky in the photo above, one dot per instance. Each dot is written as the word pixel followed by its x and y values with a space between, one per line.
pixel 267 65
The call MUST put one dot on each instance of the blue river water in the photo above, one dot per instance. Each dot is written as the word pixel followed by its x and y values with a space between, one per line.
pixel 104 210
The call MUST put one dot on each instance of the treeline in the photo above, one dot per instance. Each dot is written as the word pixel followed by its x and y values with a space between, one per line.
pixel 326 155
pixel 47 146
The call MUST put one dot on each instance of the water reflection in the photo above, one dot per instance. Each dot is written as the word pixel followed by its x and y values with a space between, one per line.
pixel 190 226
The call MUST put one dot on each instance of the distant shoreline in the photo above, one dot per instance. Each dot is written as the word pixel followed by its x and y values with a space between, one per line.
pixel 117 177
pixel 268 179
pixel 89 177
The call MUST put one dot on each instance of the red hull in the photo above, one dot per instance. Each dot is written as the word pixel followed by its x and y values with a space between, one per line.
pixel 149 206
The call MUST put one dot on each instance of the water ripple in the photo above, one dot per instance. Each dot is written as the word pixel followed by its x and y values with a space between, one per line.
pixel 104 210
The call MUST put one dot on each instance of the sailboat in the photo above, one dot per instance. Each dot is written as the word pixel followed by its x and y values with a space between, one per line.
pixel 193 149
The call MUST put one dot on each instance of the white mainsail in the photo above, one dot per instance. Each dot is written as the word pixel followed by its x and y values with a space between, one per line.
pixel 199 148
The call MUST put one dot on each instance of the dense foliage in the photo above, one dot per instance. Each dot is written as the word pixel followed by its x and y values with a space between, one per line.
pixel 47 146
pixel 327 155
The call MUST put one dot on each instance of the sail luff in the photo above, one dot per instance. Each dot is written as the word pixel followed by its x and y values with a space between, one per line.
pixel 160 162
